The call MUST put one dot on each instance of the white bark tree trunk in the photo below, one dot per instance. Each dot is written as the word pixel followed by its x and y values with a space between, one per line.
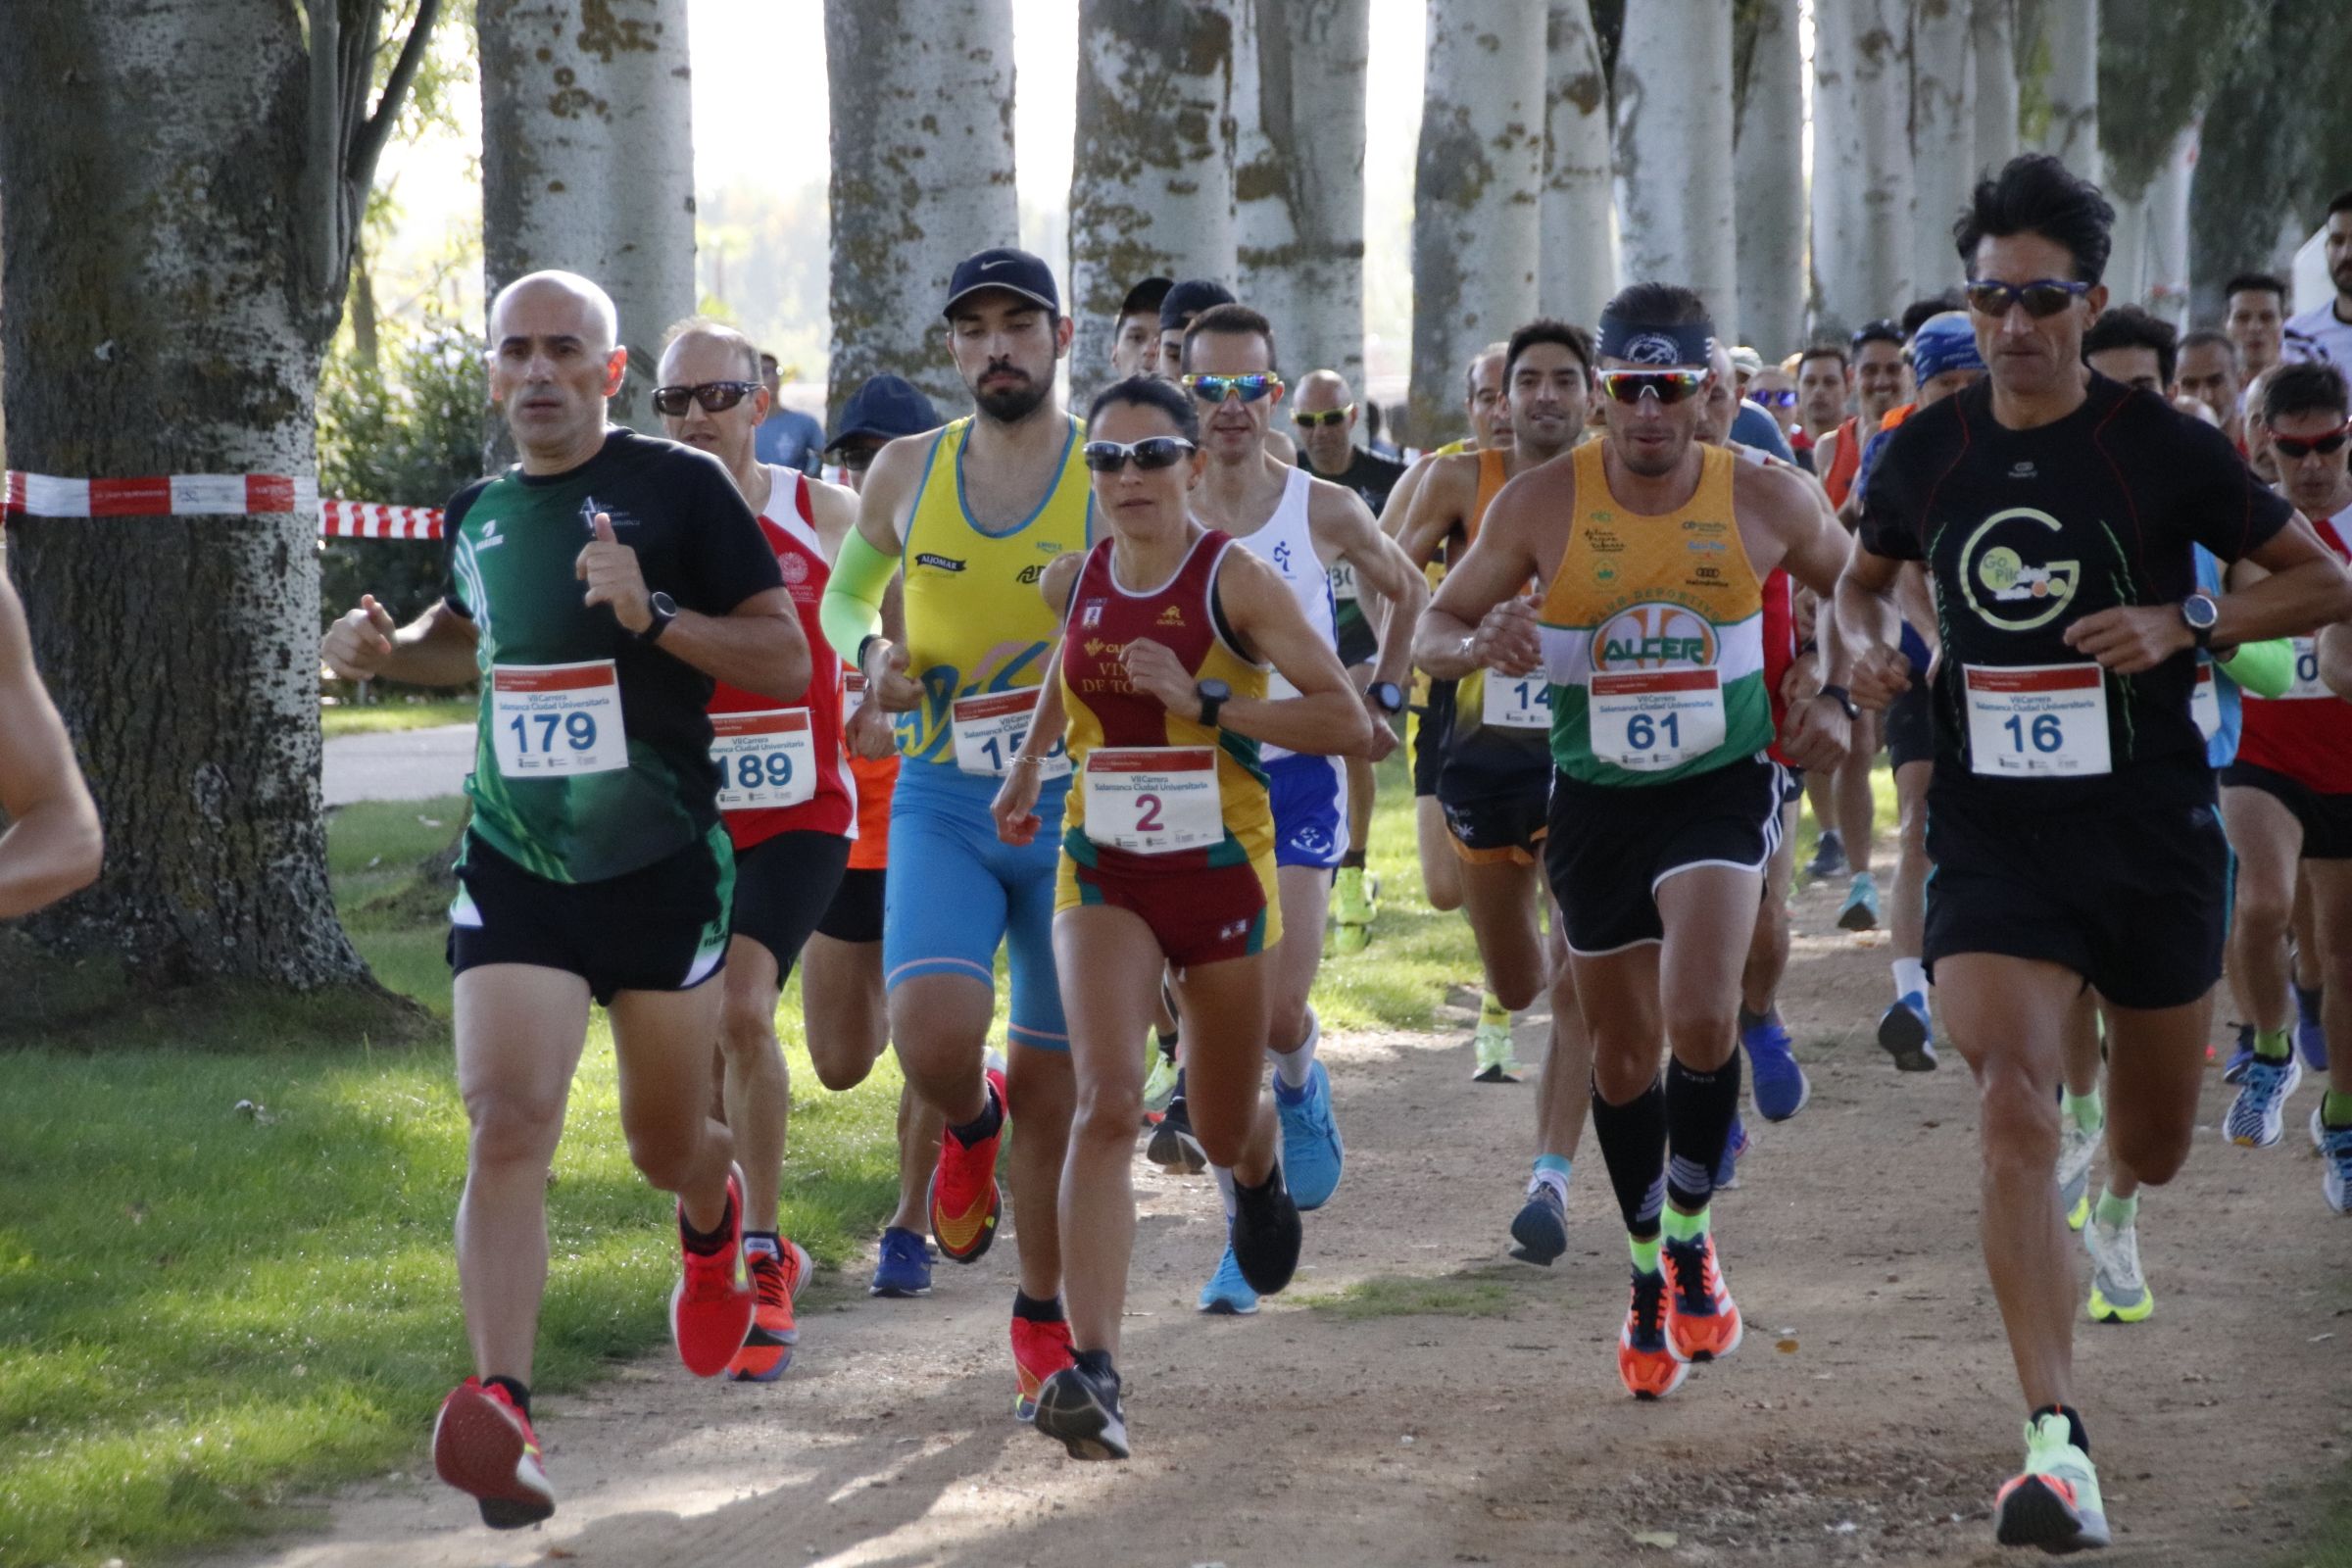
pixel 1992 50
pixel 1769 165
pixel 1577 266
pixel 1477 188
pixel 2128 276
pixel 2072 29
pixel 922 176
pixel 1151 175
pixel 2168 231
pixel 1862 196
pixel 1674 152
pixel 588 162
pixel 1299 176
pixel 1943 127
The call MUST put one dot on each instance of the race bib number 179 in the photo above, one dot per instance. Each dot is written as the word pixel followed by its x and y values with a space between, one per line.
pixel 557 720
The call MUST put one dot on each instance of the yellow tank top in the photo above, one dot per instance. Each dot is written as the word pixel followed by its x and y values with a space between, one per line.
pixel 975 619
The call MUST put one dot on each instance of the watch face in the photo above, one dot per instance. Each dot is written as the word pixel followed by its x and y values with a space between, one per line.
pixel 2200 612
pixel 1217 691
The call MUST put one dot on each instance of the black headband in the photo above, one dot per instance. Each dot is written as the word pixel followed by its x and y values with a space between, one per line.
pixel 1666 347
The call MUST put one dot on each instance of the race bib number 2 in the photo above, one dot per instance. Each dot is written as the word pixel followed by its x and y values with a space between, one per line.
pixel 2038 721
pixel 989 730
pixel 1153 799
pixel 557 720
pixel 765 761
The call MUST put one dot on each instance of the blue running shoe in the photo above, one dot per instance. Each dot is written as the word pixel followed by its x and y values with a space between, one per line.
pixel 1907 1034
pixel 1727 1171
pixel 1227 1294
pixel 1828 857
pixel 2242 1057
pixel 1860 911
pixel 1312 1155
pixel 1781 1087
pixel 1540 1234
pixel 2334 1145
pixel 2311 1036
pixel 2258 1114
pixel 904 1266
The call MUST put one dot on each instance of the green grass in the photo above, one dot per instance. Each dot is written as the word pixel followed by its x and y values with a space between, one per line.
pixel 1453 1295
pixel 377 718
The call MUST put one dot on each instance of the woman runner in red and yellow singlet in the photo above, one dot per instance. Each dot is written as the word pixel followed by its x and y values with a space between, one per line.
pixel 1167 859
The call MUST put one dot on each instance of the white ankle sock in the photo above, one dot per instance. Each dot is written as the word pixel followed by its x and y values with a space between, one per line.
pixel 1910 978
pixel 1293 1065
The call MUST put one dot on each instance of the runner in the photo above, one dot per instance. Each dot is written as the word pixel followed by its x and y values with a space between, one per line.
pixel 594 864
pixel 1168 858
pixel 1825 380
pixel 845 1009
pixel 1650 551
pixel 53 845
pixel 2328 324
pixel 785 797
pixel 1135 336
pixel 977 511
pixel 1326 420
pixel 1303 526
pixel 2207 370
pixel 1178 310
pixel 2072 818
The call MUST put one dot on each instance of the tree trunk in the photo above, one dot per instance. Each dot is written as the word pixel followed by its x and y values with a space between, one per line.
pixel 588 162
pixel 1769 173
pixel 1862 196
pixel 1993 51
pixel 1151 173
pixel 1477 182
pixel 1299 176
pixel 180 228
pixel 1674 152
pixel 1943 160
pixel 2168 232
pixel 2072 29
pixel 922 177
pixel 1579 245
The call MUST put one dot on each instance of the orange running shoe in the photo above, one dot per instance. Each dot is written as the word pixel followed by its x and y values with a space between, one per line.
pixel 1702 1321
pixel 711 1312
pixel 777 1281
pixel 964 1200
pixel 483 1444
pixel 1645 1358
pixel 1039 1351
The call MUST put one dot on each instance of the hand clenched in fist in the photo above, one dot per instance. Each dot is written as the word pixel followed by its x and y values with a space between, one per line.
pixel 358 645
pixel 609 569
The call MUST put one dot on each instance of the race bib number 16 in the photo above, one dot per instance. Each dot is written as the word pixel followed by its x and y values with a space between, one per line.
pixel 2038 721
pixel 557 720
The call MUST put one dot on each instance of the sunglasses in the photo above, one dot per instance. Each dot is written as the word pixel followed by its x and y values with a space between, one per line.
pixel 857 460
pixel 1667 386
pixel 1775 398
pixel 2043 298
pixel 2294 448
pixel 1150 453
pixel 716 397
pixel 1218 389
pixel 1316 421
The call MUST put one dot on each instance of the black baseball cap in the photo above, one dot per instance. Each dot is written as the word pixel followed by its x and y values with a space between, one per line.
pixel 1189 299
pixel 885 408
pixel 1016 271
pixel 1146 297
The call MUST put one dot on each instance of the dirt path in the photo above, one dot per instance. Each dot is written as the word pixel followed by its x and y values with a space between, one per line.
pixel 1868 1417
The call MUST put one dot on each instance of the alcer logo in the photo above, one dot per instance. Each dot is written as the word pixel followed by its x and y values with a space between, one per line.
pixel 2003 588
pixel 1654 637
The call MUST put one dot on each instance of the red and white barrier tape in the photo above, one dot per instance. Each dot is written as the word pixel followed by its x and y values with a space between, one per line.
pixel 215 495
pixel 372 519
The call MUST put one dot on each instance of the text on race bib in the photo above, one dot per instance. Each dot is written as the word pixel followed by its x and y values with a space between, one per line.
pixel 1153 799
pixel 2205 703
pixel 557 720
pixel 1343 580
pixel 1648 721
pixel 988 731
pixel 1517 702
pixel 765 761
pixel 2308 686
pixel 2036 720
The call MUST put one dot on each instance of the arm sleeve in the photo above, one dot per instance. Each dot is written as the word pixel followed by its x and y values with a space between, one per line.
pixel 852 611
pixel 727 559
pixel 2266 670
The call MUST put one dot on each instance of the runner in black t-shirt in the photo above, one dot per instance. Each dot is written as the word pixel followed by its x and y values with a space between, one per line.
pixel 2072 818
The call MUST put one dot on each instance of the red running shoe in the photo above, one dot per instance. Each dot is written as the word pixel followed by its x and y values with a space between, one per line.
pixel 1039 1351
pixel 484 1446
pixel 964 1200
pixel 776 1282
pixel 711 1312
pixel 1645 1359
pixel 1701 1318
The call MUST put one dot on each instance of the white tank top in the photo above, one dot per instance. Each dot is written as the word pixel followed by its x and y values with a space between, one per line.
pixel 1288 544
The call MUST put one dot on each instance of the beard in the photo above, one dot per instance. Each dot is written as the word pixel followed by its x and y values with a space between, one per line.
pixel 1009 405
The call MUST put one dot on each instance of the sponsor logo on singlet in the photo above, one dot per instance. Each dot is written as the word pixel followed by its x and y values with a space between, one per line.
pixel 1654 637
pixel 2005 577
pixel 938 563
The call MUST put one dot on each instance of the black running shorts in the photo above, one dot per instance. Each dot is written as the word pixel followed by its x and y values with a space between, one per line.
pixel 1360 644
pixel 660 928
pixel 1609 847
pixel 1430 737
pixel 783 887
pixel 855 914
pixel 1488 829
pixel 2326 820
pixel 1910 724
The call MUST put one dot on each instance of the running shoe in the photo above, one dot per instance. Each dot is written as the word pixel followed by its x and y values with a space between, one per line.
pixel 1907 1034
pixel 1645 1358
pixel 1702 1321
pixel 1312 1155
pixel 1159 1080
pixel 484 1446
pixel 2335 1149
pixel 2119 1291
pixel 1354 902
pixel 777 1281
pixel 1736 1145
pixel 1173 1147
pixel 1039 1351
pixel 2055 1503
pixel 1828 857
pixel 2077 1149
pixel 903 1268
pixel 711 1312
pixel 1860 911
pixel 1266 1235
pixel 1495 1062
pixel 1080 1409
pixel 1779 1084
pixel 964 1202
pixel 2257 1116
pixel 1227 1294
pixel 2311 1034
pixel 1540 1233
pixel 2242 1057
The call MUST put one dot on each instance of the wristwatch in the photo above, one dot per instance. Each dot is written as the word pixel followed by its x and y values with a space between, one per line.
pixel 1386 696
pixel 665 609
pixel 1843 698
pixel 2198 613
pixel 1213 694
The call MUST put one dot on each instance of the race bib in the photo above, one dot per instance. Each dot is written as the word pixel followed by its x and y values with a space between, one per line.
pixel 2205 703
pixel 765 761
pixel 988 731
pixel 2308 686
pixel 557 720
pixel 1648 721
pixel 1343 580
pixel 1522 702
pixel 2036 720
pixel 1153 799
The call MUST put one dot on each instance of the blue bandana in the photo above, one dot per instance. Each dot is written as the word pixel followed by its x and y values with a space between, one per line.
pixel 1945 342
pixel 1663 348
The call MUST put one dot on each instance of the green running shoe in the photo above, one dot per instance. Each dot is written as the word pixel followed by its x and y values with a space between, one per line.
pixel 2054 1504
pixel 1496 1063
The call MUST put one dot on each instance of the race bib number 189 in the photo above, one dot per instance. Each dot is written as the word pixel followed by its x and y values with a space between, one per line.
pixel 765 761
pixel 557 720
pixel 2038 721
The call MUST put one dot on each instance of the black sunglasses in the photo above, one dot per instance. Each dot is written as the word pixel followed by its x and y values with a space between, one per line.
pixel 2295 447
pixel 2043 298
pixel 716 397
pixel 1153 452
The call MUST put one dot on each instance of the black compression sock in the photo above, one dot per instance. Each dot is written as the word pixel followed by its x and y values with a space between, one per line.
pixel 2074 1424
pixel 1035 1311
pixel 706 1243
pixel 987 1124
pixel 515 1391
pixel 1632 1146
pixel 1699 1107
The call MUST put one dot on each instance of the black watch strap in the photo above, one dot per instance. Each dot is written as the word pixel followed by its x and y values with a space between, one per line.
pixel 1843 698
pixel 1212 704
